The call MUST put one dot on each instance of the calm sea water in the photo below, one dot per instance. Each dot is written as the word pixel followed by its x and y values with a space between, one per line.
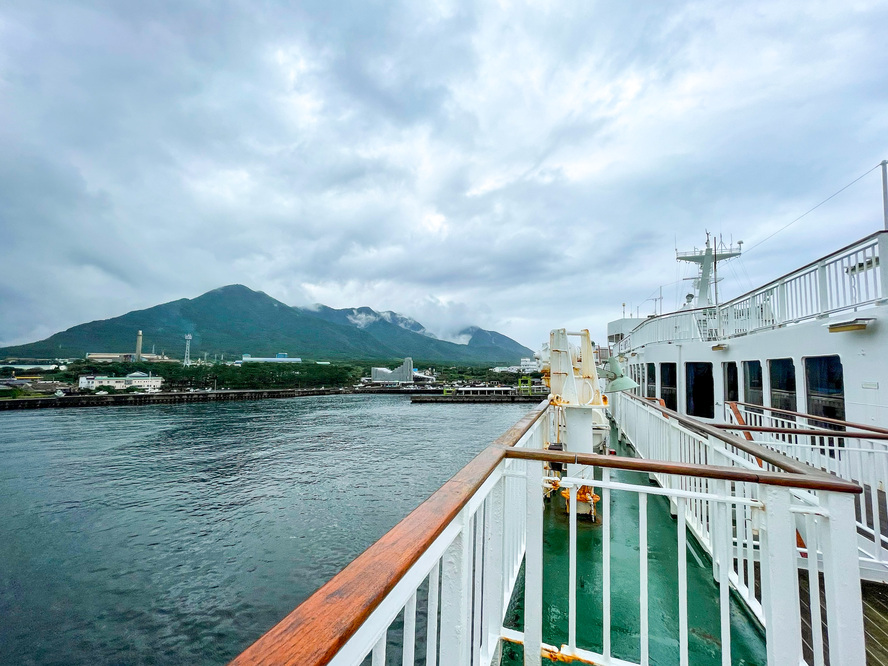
pixel 179 534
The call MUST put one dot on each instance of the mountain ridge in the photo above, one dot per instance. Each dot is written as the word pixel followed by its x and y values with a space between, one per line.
pixel 235 320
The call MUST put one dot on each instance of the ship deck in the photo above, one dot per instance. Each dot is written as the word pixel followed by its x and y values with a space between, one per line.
pixel 747 635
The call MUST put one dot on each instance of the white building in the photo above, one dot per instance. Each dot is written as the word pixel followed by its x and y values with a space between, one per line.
pixel 405 374
pixel 278 358
pixel 136 379
pixel 527 366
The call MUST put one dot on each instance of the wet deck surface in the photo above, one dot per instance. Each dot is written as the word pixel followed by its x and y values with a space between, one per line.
pixel 747 640
pixel 875 623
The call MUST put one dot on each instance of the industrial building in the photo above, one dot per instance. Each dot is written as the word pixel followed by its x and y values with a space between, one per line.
pixel 127 357
pixel 278 358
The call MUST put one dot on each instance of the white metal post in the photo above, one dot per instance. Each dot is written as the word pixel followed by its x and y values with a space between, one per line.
pixel 811 537
pixel 572 573
pixel 455 570
pixel 533 566
pixel 885 191
pixel 432 622
pixel 476 603
pixel 379 651
pixel 844 607
pixel 722 535
pixel 780 586
pixel 409 630
pixel 494 569
pixel 605 565
pixel 643 571
pixel 883 270
pixel 822 289
pixel 682 583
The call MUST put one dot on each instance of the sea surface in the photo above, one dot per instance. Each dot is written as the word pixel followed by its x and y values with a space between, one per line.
pixel 179 534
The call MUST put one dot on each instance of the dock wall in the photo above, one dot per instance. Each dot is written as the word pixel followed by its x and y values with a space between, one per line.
pixel 475 398
pixel 172 398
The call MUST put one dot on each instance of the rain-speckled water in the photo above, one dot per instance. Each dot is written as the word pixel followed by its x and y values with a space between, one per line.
pixel 179 534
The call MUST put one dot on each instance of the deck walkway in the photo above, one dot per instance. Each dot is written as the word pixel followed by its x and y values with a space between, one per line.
pixel 875 621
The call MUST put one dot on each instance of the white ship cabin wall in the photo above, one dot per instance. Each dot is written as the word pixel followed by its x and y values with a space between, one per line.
pixel 802 369
pixel 800 366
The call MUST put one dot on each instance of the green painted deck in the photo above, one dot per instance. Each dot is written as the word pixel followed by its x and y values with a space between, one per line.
pixel 747 636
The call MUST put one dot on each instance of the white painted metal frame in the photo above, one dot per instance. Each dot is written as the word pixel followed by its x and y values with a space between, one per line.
pixel 863 461
pixel 849 279
pixel 741 540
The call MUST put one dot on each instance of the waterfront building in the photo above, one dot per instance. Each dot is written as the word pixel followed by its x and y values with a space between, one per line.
pixel 527 366
pixel 134 379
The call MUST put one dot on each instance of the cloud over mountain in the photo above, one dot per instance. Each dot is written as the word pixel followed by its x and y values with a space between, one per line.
pixel 513 165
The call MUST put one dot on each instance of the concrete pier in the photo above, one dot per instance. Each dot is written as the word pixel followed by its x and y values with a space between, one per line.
pixel 171 398
pixel 418 398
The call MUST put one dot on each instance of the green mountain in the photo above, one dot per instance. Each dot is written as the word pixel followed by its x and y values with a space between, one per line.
pixel 236 320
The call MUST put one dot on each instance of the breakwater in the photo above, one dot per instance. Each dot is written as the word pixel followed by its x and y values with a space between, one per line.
pixel 169 398
pixel 418 398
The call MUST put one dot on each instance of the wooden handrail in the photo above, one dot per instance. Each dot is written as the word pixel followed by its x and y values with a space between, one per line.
pixel 316 630
pixel 775 458
pixel 809 481
pixel 823 419
pixel 838 434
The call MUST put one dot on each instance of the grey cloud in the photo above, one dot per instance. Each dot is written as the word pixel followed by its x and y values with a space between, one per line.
pixel 515 168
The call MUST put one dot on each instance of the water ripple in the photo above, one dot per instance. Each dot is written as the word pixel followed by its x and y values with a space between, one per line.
pixel 178 534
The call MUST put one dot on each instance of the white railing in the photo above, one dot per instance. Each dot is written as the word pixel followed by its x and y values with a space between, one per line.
pixel 466 578
pixel 448 607
pixel 848 455
pixel 812 514
pixel 849 279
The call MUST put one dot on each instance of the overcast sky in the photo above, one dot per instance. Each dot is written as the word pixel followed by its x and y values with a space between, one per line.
pixel 519 166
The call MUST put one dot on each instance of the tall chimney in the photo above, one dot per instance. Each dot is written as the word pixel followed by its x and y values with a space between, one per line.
pixel 139 346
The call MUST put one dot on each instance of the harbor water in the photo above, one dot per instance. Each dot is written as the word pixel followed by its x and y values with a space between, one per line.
pixel 179 534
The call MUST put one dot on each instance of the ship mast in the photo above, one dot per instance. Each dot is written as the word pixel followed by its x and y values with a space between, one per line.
pixel 707 260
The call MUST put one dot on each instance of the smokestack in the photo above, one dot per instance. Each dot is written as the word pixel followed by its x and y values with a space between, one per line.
pixel 139 346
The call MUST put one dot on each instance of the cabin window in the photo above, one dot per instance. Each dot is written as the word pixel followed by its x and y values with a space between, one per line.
pixel 651 381
pixel 753 389
pixel 732 388
pixel 825 387
pixel 669 385
pixel 700 390
pixel 783 384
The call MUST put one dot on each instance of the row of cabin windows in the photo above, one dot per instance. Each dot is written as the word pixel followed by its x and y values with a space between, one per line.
pixel 824 385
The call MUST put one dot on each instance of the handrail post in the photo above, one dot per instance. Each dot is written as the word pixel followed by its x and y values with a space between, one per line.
pixel 822 288
pixel 455 572
pixel 494 568
pixel 533 567
pixel 842 582
pixel 781 302
pixel 883 272
pixel 780 587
